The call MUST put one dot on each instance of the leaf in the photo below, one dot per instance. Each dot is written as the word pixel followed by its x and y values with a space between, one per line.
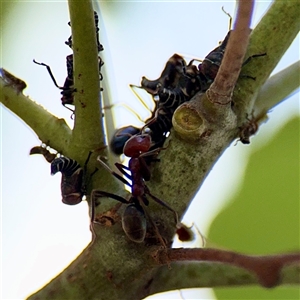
pixel 263 218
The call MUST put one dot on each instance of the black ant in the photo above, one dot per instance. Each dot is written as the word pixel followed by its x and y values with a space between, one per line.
pixel 133 221
pixel 73 180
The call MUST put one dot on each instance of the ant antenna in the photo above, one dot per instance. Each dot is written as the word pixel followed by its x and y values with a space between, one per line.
pixel 132 88
pixel 50 73
pixel 127 107
pixel 230 17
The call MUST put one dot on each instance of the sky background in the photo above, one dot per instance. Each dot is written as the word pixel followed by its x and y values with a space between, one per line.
pixel 40 235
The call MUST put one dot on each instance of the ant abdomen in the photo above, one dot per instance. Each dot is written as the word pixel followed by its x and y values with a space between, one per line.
pixel 134 223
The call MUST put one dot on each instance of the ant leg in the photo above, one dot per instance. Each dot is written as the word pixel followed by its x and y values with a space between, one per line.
pixel 153 120
pixel 152 223
pixel 127 107
pixel 95 194
pixel 98 194
pixel 247 61
pixel 122 169
pixel 201 235
pixel 113 172
pixel 230 17
pixel 132 87
pixel 161 202
pixel 65 105
pixel 154 151
pixel 50 73
pixel 253 56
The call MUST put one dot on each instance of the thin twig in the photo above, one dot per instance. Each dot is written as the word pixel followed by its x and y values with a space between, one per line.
pixel 267 268
pixel 221 90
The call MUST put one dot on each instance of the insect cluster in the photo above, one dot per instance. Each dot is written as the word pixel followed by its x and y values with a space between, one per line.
pixel 178 83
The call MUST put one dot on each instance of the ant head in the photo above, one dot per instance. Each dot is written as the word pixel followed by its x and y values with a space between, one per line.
pixel 137 144
pixel 120 137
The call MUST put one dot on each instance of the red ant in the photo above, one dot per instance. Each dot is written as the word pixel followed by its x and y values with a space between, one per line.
pixel 133 220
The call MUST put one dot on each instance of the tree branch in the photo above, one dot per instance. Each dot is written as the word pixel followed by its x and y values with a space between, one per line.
pixel 273 35
pixel 266 268
pixel 217 268
pixel 88 130
pixel 277 88
pixel 99 272
pixel 50 130
pixel 221 90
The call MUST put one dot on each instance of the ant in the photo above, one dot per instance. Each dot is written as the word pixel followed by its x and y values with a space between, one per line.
pixel 133 220
pixel 73 180
pixel 120 137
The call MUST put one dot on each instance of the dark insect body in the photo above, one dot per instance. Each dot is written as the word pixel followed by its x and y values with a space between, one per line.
pixel 137 148
pixel 212 61
pixel 177 84
pixel 121 136
pixel 11 80
pixel 43 151
pixel 73 180
pixel 251 127
pixel 99 46
pixel 68 87
pixel 169 76
pixel 185 234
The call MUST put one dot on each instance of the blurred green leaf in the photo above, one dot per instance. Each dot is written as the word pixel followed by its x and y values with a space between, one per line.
pixel 263 218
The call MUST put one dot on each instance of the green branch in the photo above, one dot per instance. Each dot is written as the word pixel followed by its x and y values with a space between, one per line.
pixel 273 36
pixel 277 88
pixel 88 132
pixel 49 129
pixel 209 274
